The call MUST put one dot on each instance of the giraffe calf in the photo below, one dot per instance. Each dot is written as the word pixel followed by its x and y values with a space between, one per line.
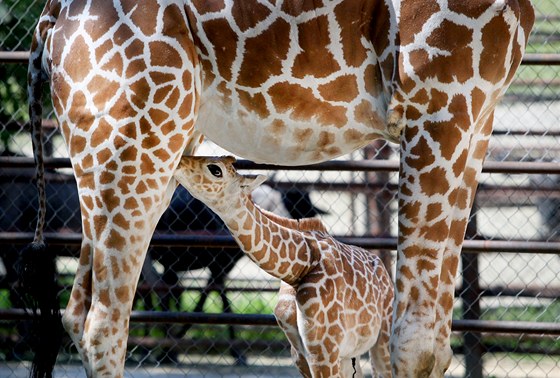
pixel 335 300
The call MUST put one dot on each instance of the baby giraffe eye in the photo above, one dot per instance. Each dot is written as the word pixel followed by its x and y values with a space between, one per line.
pixel 215 170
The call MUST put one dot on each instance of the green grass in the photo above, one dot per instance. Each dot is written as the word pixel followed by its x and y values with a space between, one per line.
pixel 5 302
pixel 549 313
pixel 544 313
pixel 242 303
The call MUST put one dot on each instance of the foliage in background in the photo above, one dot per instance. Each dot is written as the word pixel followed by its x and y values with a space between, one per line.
pixel 17 21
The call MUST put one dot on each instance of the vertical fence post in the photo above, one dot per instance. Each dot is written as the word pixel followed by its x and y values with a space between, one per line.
pixel 470 295
pixel 378 212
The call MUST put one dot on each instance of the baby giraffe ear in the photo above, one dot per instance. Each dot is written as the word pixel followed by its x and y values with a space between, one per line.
pixel 250 183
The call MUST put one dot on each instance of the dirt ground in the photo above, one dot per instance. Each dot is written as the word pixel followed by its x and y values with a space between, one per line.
pixel 219 367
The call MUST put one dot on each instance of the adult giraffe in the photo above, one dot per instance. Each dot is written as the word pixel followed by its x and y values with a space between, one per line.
pixel 136 85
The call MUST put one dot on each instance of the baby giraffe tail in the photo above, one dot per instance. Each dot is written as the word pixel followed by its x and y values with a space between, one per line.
pixel 37 270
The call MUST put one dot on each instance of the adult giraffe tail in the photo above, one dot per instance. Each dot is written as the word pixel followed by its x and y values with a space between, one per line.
pixel 37 269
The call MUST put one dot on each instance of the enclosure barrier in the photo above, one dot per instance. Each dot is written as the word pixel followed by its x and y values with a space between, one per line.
pixel 506 167
pixel 462 325
pixel 220 241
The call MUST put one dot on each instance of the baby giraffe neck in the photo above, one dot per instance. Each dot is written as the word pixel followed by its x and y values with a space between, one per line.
pixel 281 251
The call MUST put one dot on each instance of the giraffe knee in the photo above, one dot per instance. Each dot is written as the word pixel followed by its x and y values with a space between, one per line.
pixel 285 309
pixel 413 357
pixel 285 313
pixel 443 361
pixel 425 365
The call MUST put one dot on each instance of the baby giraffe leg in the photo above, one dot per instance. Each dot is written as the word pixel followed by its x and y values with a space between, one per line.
pixel 380 353
pixel 286 315
pixel 323 351
pixel 325 365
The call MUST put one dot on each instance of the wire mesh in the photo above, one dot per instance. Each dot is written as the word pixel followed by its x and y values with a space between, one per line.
pixel 493 286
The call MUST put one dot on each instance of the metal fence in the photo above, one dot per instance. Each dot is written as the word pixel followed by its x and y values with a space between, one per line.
pixel 202 309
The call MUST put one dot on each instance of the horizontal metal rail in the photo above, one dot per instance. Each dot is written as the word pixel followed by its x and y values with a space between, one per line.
pixel 203 345
pixel 494 291
pixel 502 326
pixel 506 167
pixel 514 327
pixel 22 57
pixel 541 60
pixel 226 241
pixel 14 57
pixel 51 126
pixel 487 196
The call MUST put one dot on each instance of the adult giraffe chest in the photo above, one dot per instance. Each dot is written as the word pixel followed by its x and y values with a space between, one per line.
pixel 286 85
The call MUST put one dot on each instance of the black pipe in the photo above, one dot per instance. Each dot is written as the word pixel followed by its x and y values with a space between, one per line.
pixel 226 241
pixel 514 327
pixel 510 167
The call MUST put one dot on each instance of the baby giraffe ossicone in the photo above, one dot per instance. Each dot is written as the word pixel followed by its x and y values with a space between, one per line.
pixel 335 300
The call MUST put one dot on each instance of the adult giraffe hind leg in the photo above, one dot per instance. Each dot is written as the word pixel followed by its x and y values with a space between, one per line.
pixel 125 92
pixel 513 41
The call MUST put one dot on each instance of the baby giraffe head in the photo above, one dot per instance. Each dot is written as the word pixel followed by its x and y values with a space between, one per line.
pixel 214 180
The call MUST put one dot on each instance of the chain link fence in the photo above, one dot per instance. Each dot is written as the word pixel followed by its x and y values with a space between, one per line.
pixel 512 278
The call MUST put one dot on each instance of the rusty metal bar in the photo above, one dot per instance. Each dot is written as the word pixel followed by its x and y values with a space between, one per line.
pixel 509 167
pixel 226 241
pixel 487 195
pixel 21 57
pixel 514 327
pixel 51 125
pixel 494 291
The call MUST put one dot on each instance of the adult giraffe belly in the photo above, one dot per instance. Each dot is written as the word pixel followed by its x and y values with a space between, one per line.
pixel 300 130
pixel 287 84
